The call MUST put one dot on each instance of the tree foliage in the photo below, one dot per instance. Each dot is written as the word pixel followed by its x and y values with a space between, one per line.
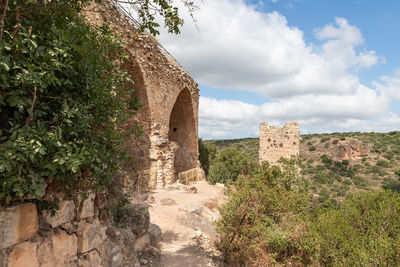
pixel 147 12
pixel 227 166
pixel 63 98
pixel 206 155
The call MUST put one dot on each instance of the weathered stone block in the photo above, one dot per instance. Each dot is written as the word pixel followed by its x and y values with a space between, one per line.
pixel 142 242
pixel 65 213
pixel 87 208
pixel 17 224
pixel 23 255
pixel 64 247
pixel 92 237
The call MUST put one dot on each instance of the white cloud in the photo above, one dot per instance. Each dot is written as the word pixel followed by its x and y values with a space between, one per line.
pixel 364 111
pixel 390 85
pixel 240 47
pixel 315 84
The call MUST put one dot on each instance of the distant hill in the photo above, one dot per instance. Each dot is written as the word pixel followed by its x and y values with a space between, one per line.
pixel 339 163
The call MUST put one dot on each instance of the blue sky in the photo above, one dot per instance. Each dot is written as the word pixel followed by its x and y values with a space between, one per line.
pixel 330 65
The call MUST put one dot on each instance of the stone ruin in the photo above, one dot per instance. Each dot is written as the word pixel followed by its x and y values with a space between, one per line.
pixel 278 142
pixel 167 149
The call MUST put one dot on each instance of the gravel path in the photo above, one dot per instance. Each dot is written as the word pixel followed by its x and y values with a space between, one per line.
pixel 186 220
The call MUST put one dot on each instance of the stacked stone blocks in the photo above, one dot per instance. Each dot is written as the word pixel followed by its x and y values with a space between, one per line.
pixel 278 142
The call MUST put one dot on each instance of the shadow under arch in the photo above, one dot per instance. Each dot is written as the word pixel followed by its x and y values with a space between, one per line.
pixel 182 132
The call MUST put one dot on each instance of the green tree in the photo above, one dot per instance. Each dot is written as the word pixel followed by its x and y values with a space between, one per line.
pixel 227 166
pixel 206 155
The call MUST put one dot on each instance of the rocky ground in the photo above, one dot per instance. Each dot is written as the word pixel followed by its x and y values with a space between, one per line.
pixel 185 215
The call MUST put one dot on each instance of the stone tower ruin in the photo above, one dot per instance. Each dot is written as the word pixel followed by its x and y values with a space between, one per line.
pixel 278 142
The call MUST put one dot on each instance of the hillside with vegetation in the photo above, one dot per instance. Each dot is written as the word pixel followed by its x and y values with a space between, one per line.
pixel 337 204
pixel 330 176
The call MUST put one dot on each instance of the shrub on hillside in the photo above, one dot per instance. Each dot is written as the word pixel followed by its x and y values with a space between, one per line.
pixel 258 223
pixel 227 166
pixel 364 231
pixel 206 155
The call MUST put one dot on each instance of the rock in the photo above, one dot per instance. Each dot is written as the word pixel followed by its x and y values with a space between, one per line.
pixel 151 200
pixel 134 217
pixel 212 204
pixel 92 259
pixel 155 234
pixel 153 251
pixel 191 189
pixel 193 208
pixel 222 186
pixel 64 248
pixel 18 224
pixel 142 242
pixel 45 253
pixel 68 227
pixel 65 213
pixel 196 222
pixel 3 258
pixel 23 254
pixel 111 253
pixel 168 202
pixel 87 207
pixel 92 237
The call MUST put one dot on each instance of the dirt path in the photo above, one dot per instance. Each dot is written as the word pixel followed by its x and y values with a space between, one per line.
pixel 185 219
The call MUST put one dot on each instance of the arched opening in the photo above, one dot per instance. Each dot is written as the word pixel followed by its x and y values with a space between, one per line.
pixel 182 132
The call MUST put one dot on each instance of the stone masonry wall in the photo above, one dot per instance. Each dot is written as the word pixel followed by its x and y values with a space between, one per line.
pixel 75 236
pixel 278 142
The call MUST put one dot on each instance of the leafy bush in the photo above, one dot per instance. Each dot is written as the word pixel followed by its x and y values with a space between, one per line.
pixel 364 231
pixel 335 141
pixel 312 148
pixel 63 100
pixel 326 160
pixel 206 155
pixel 324 139
pixel 227 166
pixel 257 225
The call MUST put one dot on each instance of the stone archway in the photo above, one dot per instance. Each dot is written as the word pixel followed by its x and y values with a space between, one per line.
pixel 182 133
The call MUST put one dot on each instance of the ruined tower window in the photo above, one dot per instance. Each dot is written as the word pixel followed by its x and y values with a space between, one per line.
pixel 269 139
pixel 175 129
pixel 280 145
pixel 294 143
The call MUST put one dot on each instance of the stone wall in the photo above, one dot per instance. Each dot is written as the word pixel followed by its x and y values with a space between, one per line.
pixel 278 142
pixel 75 236
pixel 169 113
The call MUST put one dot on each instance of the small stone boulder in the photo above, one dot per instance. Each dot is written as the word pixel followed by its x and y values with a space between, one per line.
pixel 142 242
pixel 196 222
pixel 155 234
pixel 17 224
pixel 192 208
pixel 168 202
